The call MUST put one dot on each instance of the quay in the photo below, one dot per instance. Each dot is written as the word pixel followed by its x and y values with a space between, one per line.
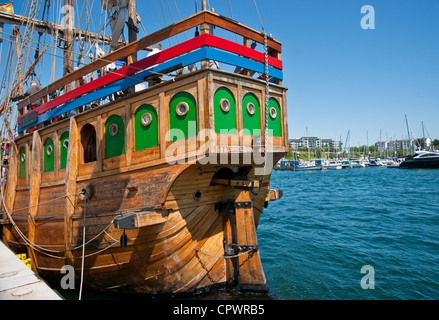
pixel 19 282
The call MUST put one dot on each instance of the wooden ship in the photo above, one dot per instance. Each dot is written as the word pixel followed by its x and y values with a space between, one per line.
pixel 159 190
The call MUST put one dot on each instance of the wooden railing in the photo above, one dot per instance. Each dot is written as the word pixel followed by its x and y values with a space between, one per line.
pixel 199 19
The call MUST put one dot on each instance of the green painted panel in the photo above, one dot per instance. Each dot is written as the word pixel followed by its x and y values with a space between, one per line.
pixel 182 126
pixel 64 146
pixel 224 120
pixel 274 125
pixel 114 140
pixel 22 161
pixel 251 123
pixel 49 156
pixel 145 136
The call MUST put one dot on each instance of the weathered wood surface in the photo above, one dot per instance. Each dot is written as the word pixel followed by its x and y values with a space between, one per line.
pixel 179 247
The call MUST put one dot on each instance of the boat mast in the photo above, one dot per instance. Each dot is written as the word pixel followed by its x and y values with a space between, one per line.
pixel 408 132
pixel 132 27
pixel 68 41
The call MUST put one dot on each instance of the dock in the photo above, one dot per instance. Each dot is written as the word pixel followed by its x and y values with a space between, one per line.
pixel 19 282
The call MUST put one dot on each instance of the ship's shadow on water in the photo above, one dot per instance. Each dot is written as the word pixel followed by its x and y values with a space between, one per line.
pixel 212 295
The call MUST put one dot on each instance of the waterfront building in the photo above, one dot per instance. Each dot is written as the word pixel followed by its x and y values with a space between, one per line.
pixel 314 142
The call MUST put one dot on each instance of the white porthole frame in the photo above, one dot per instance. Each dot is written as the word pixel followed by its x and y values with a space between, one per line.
pixel 49 150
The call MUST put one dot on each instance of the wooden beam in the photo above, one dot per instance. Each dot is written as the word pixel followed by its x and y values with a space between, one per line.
pixel 251 273
pixel 34 192
pixel 71 175
pixel 237 183
pixel 68 42
pixel 51 28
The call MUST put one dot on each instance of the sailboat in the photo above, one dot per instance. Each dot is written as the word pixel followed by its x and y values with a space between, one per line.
pixel 157 189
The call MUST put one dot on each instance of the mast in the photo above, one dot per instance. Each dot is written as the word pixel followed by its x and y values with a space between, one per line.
pixel 132 27
pixel 408 132
pixel 68 40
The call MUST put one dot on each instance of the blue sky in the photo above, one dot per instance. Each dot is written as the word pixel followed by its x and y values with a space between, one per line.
pixel 340 77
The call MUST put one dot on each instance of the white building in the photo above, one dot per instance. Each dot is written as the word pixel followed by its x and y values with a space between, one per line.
pixel 314 142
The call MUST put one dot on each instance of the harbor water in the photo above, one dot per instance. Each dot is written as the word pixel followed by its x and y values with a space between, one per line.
pixel 330 224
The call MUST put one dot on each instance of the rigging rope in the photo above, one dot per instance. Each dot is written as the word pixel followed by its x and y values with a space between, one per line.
pixel 260 20
pixel 83 248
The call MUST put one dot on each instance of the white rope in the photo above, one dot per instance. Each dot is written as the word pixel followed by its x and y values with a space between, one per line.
pixel 83 248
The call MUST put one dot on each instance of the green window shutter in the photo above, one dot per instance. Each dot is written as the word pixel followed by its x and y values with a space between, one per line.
pixel 22 161
pixel 145 128
pixel 114 137
pixel 183 123
pixel 274 116
pixel 49 156
pixel 224 109
pixel 251 120
pixel 64 146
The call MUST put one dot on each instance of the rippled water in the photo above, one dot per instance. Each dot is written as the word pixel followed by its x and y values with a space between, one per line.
pixel 329 224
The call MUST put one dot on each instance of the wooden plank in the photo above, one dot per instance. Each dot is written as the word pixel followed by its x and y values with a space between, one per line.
pixel 244 51
pixel 237 183
pixel 10 195
pixel 238 28
pixel 251 273
pixel 71 176
pixel 34 189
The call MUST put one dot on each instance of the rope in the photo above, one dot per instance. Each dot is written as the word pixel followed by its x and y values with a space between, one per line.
pixel 257 10
pixel 83 249
pixel 224 257
pixel 267 99
pixel 41 249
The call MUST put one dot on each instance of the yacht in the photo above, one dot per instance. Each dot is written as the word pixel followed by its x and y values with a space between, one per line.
pixel 422 159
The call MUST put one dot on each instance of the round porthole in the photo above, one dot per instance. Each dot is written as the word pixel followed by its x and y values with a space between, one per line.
pixel 146 119
pixel 182 108
pixel 273 113
pixel 65 144
pixel 113 129
pixel 23 157
pixel 49 151
pixel 225 105
pixel 251 108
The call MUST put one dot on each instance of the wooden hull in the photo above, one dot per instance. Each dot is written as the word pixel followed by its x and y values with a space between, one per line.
pixel 180 251
pixel 186 235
